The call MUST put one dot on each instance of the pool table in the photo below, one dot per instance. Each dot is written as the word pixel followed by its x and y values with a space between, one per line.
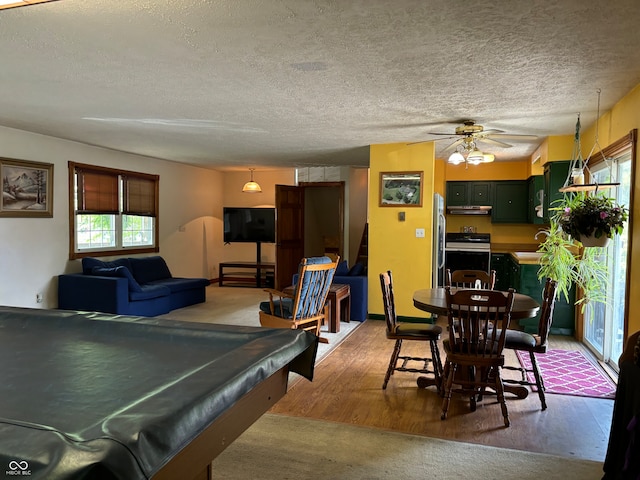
pixel 98 396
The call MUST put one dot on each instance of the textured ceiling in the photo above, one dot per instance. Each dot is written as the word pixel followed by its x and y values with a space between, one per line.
pixel 265 83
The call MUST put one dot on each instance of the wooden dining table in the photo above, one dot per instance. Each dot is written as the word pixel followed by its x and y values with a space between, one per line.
pixel 434 300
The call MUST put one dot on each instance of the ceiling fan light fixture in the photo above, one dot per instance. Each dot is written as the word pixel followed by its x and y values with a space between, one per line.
pixel 475 157
pixel 251 186
pixel 456 158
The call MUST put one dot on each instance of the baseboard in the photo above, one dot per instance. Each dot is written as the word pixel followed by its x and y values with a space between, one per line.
pixel 404 319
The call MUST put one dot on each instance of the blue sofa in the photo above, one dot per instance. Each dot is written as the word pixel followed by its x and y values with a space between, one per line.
pixel 356 278
pixel 128 286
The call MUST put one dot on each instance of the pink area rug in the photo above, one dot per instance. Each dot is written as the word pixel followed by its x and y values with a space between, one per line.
pixel 569 372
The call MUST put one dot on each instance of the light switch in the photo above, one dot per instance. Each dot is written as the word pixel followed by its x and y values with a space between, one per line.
pixel 419 232
pixel 401 216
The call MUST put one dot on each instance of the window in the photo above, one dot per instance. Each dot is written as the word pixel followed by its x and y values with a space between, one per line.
pixel 605 324
pixel 112 211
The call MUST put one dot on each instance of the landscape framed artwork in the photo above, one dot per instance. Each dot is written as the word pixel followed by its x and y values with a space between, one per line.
pixel 401 189
pixel 27 188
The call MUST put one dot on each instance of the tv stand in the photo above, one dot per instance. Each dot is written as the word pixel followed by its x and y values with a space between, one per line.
pixel 259 270
pixel 251 274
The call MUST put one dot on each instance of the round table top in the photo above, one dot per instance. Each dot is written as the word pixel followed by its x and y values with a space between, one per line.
pixel 433 300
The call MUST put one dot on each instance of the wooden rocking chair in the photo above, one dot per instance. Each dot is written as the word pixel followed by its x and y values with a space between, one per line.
pixel 305 308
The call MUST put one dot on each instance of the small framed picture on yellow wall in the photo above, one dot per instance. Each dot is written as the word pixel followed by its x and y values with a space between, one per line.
pixel 401 189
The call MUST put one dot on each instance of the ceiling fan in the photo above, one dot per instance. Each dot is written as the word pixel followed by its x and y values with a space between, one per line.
pixel 468 135
pixel 472 133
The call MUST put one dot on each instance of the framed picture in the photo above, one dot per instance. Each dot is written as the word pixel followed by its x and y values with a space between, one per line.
pixel 400 189
pixel 27 188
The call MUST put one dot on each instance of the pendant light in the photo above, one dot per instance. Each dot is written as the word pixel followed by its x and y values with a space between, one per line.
pixel 251 186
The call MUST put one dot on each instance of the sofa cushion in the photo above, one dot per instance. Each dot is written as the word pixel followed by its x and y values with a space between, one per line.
pixel 176 284
pixel 281 309
pixel 356 270
pixel 343 268
pixel 148 292
pixel 149 269
pixel 119 271
pixel 89 262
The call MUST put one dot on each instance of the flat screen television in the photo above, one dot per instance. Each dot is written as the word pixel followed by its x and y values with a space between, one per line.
pixel 249 225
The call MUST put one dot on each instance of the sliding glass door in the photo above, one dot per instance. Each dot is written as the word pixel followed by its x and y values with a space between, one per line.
pixel 604 323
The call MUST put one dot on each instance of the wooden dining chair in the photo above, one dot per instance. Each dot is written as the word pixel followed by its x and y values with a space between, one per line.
pixel 305 308
pixel 525 342
pixel 399 332
pixel 470 279
pixel 478 321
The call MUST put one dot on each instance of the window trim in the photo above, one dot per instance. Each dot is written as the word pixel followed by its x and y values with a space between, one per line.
pixel 72 167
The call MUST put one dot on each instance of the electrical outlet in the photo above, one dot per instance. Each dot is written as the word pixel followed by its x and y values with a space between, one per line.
pixel 419 232
pixel 38 298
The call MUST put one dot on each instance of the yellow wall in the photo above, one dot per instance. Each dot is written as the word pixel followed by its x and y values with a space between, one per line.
pixel 393 244
pixel 488 171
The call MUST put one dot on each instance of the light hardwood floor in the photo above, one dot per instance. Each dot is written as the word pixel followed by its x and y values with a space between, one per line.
pixel 347 389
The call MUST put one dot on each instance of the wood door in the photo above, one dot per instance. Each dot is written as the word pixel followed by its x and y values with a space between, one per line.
pixel 289 232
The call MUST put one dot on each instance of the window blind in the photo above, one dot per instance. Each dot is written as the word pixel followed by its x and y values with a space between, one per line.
pixel 139 196
pixel 97 192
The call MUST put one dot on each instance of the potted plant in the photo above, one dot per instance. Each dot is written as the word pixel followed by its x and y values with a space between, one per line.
pixel 591 219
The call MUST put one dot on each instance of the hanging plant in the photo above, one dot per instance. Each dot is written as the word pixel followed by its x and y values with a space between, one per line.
pixel 582 216
pixel 558 259
pixel 578 216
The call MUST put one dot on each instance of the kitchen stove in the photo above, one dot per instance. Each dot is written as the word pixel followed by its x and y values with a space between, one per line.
pixel 468 251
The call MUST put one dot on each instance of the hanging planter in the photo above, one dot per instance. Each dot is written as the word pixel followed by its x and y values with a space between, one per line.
pixel 591 219
pixel 593 241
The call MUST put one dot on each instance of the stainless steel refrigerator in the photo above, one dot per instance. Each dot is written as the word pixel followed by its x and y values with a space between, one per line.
pixel 439 231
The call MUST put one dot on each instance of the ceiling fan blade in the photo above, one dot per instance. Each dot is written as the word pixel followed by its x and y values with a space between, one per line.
pixel 494 141
pixel 453 146
pixel 508 136
pixel 433 139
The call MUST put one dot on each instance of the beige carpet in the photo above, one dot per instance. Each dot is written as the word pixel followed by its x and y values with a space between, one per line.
pixel 279 447
pixel 239 306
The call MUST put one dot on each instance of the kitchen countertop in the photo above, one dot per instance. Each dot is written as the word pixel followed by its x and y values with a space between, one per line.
pixel 527 258
pixel 523 253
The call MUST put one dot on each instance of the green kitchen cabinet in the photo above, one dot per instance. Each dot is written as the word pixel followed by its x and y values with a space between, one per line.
pixel 457 194
pixel 536 197
pixel 510 202
pixel 564 312
pixel 555 175
pixel 468 193
pixel 480 193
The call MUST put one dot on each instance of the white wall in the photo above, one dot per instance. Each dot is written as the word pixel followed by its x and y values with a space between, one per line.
pixel 33 251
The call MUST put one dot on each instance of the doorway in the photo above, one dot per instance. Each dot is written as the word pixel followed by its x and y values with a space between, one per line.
pixel 323 218
pixel 308 217
pixel 604 325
